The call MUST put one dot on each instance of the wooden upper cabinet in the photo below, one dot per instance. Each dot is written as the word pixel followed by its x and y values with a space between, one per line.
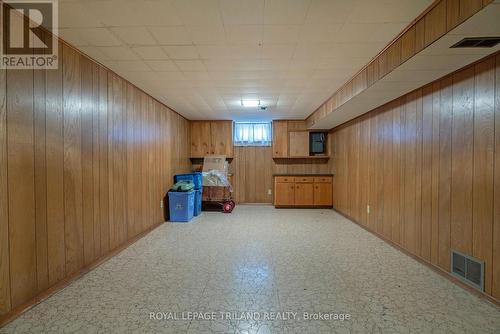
pixel 280 139
pixel 200 139
pixel 211 137
pixel 222 138
pixel 299 143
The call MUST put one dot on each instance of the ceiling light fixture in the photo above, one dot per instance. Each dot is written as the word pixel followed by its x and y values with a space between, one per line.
pixel 250 103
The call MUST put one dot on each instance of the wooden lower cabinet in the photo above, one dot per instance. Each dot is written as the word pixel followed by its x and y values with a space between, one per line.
pixel 323 194
pixel 304 194
pixel 303 191
pixel 284 193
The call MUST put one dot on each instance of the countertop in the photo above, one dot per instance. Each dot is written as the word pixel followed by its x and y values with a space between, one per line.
pixel 299 174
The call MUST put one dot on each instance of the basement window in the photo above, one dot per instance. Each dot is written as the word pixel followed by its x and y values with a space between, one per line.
pixel 252 134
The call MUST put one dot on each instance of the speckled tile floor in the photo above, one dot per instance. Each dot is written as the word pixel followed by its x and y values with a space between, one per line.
pixel 261 260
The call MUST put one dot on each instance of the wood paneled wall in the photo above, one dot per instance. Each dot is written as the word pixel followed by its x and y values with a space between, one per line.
pixel 441 17
pixel 428 165
pixel 85 159
pixel 253 169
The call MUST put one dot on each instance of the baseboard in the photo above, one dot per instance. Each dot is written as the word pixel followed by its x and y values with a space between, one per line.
pixel 17 311
pixel 254 204
pixel 303 206
pixel 439 270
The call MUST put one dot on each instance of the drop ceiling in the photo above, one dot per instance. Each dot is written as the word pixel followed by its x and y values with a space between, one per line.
pixel 202 57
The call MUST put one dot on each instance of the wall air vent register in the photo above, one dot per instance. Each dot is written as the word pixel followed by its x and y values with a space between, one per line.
pixel 468 269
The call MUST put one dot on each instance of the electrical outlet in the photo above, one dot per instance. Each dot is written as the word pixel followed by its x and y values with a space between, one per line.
pixel 368 209
pixel 269 192
pixel 161 204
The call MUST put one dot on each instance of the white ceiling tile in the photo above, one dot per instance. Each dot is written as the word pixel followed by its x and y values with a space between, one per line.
pixel 303 64
pixel 190 65
pixel 381 11
pixel 278 51
pixel 116 13
pixel 196 76
pixel 177 78
pixel 100 37
pixel 181 52
pixel 229 51
pixel 320 33
pixel 150 52
pixel 285 11
pixel 201 35
pixel 199 12
pixel 242 11
pixel 328 11
pixel 274 64
pixel 243 34
pixel 118 53
pixel 312 51
pixel 75 14
pixel 134 35
pixel 171 35
pixel 162 65
pixel 281 34
pixel 356 32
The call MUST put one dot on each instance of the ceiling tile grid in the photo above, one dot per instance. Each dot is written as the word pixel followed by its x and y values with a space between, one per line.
pixel 202 57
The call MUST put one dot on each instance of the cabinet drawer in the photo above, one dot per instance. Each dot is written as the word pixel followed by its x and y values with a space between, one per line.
pixel 284 179
pixel 304 179
pixel 323 179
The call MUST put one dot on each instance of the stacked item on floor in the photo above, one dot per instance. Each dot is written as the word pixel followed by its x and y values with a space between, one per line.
pixel 181 201
pixel 217 189
pixel 196 179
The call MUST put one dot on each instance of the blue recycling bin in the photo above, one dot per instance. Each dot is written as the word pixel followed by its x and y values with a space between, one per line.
pixel 197 202
pixel 181 206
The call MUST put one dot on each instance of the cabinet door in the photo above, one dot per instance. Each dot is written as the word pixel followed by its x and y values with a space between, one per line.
pixel 284 193
pixel 280 139
pixel 323 194
pixel 299 143
pixel 304 194
pixel 222 138
pixel 200 139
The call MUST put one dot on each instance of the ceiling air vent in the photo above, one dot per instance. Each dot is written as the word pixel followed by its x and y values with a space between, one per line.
pixel 477 42
pixel 468 269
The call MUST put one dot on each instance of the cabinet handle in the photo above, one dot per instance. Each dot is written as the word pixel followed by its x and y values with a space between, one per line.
pixel 291 187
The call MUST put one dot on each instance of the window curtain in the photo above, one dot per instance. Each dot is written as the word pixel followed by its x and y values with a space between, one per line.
pixel 252 134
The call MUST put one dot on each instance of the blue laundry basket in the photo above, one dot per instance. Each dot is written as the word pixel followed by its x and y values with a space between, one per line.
pixel 195 177
pixel 181 206
pixel 197 202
